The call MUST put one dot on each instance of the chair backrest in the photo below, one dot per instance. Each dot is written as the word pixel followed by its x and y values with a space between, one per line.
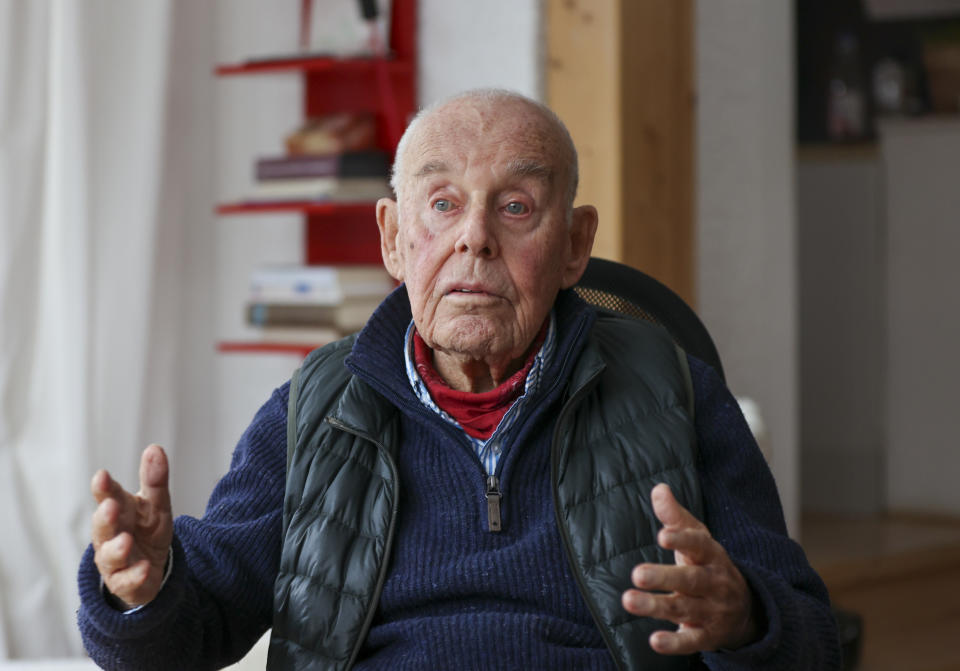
pixel 614 286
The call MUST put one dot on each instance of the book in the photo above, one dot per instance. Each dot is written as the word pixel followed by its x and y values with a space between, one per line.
pixel 319 284
pixel 347 317
pixel 299 335
pixel 369 163
pixel 334 189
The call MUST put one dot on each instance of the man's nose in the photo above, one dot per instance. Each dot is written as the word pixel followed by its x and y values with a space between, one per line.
pixel 477 233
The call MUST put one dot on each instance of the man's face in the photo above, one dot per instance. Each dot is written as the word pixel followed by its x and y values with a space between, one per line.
pixel 481 238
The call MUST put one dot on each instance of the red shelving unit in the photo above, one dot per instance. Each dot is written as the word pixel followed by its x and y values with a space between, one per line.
pixel 333 232
pixel 340 232
pixel 357 67
pixel 235 347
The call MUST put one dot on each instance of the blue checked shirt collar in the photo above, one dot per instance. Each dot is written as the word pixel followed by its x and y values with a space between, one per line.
pixel 489 450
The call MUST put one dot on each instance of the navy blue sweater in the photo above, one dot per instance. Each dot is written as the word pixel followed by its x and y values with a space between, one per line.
pixel 457 595
pixel 218 599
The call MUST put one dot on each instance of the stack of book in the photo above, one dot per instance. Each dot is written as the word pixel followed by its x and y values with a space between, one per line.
pixel 314 304
pixel 330 158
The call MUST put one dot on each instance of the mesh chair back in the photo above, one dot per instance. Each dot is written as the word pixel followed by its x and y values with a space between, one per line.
pixel 619 288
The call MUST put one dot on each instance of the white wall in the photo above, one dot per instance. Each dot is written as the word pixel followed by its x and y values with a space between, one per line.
pixel 879 278
pixel 253 114
pixel 842 275
pixel 747 284
pixel 921 162
pixel 464 45
pixel 190 174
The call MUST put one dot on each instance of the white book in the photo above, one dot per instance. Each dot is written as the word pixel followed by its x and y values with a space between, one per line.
pixel 337 189
pixel 299 335
pixel 348 316
pixel 326 285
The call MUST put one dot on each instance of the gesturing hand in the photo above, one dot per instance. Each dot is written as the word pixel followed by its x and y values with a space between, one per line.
pixel 704 593
pixel 132 532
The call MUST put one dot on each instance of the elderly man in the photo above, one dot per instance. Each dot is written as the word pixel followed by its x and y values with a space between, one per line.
pixel 489 475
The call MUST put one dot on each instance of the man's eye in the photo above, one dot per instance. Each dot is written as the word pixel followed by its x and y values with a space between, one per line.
pixel 516 208
pixel 442 205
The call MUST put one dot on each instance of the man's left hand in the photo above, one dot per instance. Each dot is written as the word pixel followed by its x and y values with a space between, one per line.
pixel 704 593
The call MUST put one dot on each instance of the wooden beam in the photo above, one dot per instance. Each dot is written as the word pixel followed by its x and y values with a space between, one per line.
pixel 657 135
pixel 583 87
pixel 620 74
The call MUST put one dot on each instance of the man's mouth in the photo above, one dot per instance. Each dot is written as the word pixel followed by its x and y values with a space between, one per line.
pixel 479 293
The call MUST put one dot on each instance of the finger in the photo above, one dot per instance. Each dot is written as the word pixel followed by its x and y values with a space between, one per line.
pixel 696 545
pixel 673 607
pixel 106 522
pixel 113 555
pixel 103 486
pixel 691 580
pixel 154 477
pixel 669 511
pixel 132 585
pixel 684 641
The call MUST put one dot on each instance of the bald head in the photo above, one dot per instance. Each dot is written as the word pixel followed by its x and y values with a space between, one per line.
pixel 483 111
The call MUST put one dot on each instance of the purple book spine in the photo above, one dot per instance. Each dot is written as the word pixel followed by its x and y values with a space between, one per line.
pixel 297 166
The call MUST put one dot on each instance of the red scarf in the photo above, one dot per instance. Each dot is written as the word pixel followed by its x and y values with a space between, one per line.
pixel 477 414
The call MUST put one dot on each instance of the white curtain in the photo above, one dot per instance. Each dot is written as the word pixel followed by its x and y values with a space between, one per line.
pixel 102 177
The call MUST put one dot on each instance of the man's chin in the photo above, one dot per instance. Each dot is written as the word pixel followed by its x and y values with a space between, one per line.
pixel 474 336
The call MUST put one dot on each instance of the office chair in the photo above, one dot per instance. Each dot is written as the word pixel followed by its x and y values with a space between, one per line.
pixel 614 286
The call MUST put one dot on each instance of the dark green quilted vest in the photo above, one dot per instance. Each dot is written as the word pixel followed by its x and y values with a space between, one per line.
pixel 625 425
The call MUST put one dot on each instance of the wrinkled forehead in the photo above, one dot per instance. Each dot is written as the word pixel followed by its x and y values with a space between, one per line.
pixel 508 138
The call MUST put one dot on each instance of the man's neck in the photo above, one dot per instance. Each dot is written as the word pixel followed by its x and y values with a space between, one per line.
pixel 474 375
pixel 462 372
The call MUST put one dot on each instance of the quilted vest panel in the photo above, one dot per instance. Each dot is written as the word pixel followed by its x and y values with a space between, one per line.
pixel 339 510
pixel 630 429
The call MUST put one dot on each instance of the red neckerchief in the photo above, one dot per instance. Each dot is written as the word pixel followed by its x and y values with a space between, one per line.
pixel 478 414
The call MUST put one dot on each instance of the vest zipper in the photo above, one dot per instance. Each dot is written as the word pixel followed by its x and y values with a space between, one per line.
pixel 493 502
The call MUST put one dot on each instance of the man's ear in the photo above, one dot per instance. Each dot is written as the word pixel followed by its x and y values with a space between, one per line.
pixel 583 228
pixel 389 224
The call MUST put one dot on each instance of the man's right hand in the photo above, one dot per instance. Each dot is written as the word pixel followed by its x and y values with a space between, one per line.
pixel 132 533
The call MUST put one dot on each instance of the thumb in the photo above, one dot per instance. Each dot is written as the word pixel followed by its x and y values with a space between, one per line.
pixel 154 477
pixel 668 510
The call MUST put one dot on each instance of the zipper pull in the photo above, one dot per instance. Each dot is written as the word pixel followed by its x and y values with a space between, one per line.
pixel 493 503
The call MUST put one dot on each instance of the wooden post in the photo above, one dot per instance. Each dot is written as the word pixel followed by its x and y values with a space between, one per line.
pixel 620 74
